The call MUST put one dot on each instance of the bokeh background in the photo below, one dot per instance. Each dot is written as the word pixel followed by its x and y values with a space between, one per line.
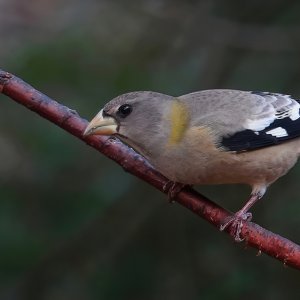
pixel 74 225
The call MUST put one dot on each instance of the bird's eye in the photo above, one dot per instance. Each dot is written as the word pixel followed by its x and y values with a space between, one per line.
pixel 124 110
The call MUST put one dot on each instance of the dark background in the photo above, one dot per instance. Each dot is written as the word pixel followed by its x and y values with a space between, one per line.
pixel 74 225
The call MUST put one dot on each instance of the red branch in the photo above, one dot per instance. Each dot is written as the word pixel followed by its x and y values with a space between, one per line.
pixel 255 236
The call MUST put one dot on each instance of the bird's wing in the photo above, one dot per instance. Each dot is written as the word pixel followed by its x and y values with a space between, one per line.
pixel 246 121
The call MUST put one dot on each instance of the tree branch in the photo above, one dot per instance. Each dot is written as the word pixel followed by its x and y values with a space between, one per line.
pixel 255 236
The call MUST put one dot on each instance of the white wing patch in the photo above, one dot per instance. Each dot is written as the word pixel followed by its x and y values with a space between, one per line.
pixel 278 132
pixel 278 107
pixel 295 112
pixel 290 109
pixel 259 124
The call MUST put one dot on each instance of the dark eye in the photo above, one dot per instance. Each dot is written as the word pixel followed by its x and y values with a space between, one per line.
pixel 124 110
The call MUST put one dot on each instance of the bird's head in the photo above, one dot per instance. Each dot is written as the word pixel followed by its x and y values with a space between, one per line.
pixel 136 118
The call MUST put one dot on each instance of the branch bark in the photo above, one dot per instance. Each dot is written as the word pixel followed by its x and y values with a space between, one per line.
pixel 255 236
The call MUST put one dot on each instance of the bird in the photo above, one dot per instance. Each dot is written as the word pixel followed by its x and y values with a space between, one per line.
pixel 217 136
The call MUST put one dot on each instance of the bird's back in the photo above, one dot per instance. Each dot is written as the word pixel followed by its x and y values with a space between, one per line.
pixel 244 120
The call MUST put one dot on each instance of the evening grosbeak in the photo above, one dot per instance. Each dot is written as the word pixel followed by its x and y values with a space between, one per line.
pixel 209 137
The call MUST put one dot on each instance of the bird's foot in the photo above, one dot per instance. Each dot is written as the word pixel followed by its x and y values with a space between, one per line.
pixel 236 223
pixel 173 189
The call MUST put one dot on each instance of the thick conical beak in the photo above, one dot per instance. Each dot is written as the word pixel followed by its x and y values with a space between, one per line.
pixel 101 125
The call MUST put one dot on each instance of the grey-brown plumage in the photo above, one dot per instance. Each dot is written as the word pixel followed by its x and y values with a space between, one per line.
pixel 209 137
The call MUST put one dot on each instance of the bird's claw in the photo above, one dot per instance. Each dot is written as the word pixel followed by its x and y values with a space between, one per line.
pixel 236 224
pixel 173 189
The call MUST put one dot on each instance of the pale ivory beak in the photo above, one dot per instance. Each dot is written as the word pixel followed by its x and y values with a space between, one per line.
pixel 101 125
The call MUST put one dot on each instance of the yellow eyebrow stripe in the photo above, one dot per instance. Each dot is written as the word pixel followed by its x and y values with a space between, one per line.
pixel 179 120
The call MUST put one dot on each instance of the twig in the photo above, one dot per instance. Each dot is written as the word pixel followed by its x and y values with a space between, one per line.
pixel 255 236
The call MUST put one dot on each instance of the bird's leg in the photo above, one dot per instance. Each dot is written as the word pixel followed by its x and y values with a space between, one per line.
pixel 236 220
pixel 173 188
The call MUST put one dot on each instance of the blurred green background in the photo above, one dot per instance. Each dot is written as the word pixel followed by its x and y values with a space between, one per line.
pixel 73 224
